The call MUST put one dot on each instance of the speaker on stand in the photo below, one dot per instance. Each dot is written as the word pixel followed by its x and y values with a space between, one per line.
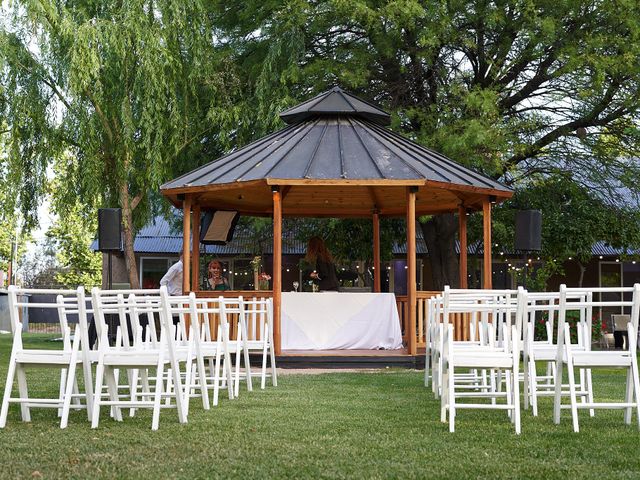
pixel 528 235
pixel 109 236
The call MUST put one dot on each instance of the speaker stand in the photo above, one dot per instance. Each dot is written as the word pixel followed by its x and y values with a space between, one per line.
pixel 109 279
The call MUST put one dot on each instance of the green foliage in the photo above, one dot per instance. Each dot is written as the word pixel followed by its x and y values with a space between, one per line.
pixel 119 93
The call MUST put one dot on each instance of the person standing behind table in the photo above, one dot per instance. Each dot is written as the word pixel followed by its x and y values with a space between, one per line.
pixel 215 279
pixel 325 272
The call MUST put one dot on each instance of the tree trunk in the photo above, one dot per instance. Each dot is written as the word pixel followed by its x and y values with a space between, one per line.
pixel 583 269
pixel 127 227
pixel 439 235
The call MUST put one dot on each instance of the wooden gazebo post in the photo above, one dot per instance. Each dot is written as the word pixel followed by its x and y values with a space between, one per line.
pixel 486 222
pixel 377 272
pixel 462 234
pixel 186 236
pixel 277 266
pixel 195 249
pixel 411 269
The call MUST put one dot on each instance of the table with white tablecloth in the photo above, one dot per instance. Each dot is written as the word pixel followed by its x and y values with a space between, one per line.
pixel 340 320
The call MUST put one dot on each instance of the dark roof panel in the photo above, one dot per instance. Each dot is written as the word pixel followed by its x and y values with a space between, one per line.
pixel 335 102
pixel 334 148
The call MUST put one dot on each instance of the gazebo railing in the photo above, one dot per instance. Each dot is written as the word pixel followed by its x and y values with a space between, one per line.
pixel 254 322
pixel 460 320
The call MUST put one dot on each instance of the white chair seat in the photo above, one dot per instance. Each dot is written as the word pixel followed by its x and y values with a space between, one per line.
pixel 601 359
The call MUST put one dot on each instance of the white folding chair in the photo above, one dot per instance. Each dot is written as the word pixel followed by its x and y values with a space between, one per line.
pixel 232 312
pixel 503 356
pixel 136 353
pixel 209 350
pixel 65 359
pixel 259 319
pixel 543 352
pixel 567 355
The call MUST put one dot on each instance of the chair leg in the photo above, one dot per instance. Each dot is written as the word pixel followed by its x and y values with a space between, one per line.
pixel 97 396
pixel 157 399
pixel 8 386
pixel 62 389
pixel 24 392
pixel 558 393
pixel 636 386
pixel 112 387
pixel 217 380
pixel 452 400
pixel 204 389
pixel 274 372
pixel 133 390
pixel 589 386
pixel 516 402
pixel 509 393
pixel 572 394
pixel 533 386
pixel 66 399
pixel 629 396
pixel 263 375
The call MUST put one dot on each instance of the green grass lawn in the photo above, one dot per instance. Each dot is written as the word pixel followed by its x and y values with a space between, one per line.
pixel 340 425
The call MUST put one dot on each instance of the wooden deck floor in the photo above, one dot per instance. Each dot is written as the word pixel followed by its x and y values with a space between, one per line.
pixel 350 359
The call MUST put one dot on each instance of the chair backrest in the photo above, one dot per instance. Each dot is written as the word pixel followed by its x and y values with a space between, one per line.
pixel 583 300
pixel 258 313
pixel 64 302
pixel 135 311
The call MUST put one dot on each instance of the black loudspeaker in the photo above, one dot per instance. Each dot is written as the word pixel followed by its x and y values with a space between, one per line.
pixel 109 229
pixel 529 230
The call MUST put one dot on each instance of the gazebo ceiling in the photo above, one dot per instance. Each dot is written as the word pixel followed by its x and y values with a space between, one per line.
pixel 335 160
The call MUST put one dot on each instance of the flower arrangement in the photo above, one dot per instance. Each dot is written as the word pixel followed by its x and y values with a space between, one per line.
pixel 263 280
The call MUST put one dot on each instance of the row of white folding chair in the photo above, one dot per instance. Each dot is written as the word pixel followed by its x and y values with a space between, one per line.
pixel 65 359
pixel 139 356
pixel 479 328
pixel 503 356
pixel 570 357
pixel 129 336
pixel 543 352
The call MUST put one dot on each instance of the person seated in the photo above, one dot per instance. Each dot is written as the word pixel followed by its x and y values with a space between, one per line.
pixel 215 279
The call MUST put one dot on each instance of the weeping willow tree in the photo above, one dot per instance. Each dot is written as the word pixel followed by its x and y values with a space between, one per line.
pixel 118 94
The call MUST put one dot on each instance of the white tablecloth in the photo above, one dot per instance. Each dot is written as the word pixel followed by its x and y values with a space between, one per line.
pixel 337 321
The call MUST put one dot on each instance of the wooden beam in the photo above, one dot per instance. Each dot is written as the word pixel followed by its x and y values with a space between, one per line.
pixel 462 235
pixel 276 275
pixel 195 250
pixel 377 271
pixel 486 222
pixel 283 193
pixel 411 269
pixel 186 234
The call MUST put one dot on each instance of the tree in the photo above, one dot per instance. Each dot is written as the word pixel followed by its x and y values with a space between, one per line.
pixel 513 88
pixel 118 93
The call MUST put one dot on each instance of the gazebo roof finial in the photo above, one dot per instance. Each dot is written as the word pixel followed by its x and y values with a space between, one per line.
pixel 335 102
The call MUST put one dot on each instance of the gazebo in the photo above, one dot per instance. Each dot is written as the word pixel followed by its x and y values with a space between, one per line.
pixel 335 158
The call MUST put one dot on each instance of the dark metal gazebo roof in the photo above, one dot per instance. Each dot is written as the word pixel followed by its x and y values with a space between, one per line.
pixel 338 139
